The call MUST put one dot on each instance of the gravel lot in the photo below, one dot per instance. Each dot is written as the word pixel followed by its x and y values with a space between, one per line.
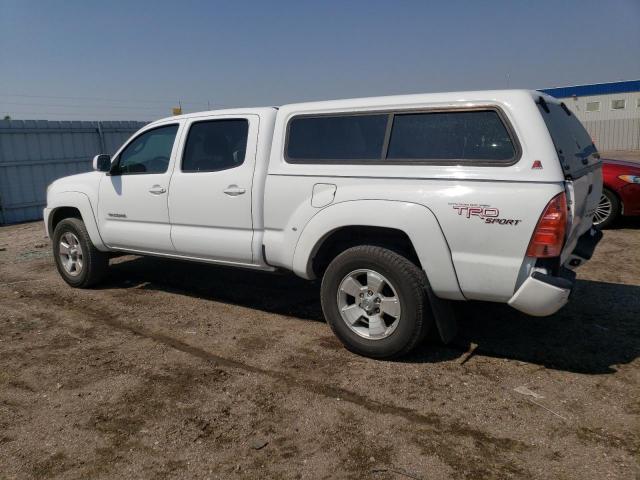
pixel 177 370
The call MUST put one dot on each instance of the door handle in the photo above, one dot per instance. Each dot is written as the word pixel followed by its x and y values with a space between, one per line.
pixel 234 190
pixel 157 190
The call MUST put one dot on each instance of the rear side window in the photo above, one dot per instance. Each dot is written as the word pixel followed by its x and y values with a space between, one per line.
pixel 448 137
pixel 464 136
pixel 572 142
pixel 336 138
pixel 215 145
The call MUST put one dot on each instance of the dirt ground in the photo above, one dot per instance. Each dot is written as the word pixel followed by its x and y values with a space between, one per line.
pixel 173 370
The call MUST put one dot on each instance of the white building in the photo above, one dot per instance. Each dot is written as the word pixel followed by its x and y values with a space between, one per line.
pixel 609 111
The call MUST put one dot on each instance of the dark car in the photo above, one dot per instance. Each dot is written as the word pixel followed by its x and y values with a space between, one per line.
pixel 620 193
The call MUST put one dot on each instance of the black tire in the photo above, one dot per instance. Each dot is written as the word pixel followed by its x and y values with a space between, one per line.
pixel 94 262
pixel 409 283
pixel 609 220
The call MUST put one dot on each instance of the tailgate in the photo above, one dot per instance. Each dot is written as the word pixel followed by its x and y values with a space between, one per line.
pixel 580 163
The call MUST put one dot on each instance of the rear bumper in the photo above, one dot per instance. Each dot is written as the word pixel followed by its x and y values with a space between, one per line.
pixel 543 294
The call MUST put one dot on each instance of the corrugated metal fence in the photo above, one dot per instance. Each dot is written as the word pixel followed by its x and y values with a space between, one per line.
pixel 615 134
pixel 33 153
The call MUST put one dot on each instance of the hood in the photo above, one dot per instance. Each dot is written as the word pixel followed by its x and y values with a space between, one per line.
pixel 80 182
pixel 621 163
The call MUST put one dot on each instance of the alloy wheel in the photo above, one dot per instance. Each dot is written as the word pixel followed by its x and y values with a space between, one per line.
pixel 603 210
pixel 368 304
pixel 70 253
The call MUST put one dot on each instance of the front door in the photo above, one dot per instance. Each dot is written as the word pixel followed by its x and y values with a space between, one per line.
pixel 132 204
pixel 211 189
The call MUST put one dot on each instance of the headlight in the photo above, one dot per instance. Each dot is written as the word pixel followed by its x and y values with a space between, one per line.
pixel 630 178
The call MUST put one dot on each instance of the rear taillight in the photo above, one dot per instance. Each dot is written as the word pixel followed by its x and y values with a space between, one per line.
pixel 548 237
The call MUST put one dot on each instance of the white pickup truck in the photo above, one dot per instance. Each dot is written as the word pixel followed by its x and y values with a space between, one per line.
pixel 400 204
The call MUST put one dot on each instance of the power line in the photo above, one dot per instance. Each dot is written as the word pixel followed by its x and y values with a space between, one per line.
pixel 105 99
pixel 57 115
pixel 129 107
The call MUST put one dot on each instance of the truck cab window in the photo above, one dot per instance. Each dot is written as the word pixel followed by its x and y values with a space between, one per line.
pixel 148 153
pixel 215 145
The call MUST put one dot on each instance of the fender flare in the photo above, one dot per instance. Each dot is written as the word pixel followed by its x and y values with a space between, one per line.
pixel 80 201
pixel 416 220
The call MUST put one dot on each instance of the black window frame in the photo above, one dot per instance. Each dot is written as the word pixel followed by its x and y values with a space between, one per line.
pixel 382 159
pixel 115 166
pixel 210 120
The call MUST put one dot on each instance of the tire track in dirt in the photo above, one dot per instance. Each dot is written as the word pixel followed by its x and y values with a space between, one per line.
pixel 472 438
pixel 432 421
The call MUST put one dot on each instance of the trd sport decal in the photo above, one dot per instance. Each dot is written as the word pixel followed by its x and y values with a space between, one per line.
pixel 485 213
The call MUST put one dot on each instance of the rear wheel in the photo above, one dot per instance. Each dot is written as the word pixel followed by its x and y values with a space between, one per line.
pixel 375 302
pixel 607 211
pixel 79 262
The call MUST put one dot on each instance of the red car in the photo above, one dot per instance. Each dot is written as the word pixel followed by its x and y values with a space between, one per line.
pixel 620 193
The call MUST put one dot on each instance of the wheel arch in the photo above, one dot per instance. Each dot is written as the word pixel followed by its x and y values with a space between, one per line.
pixel 60 213
pixel 73 205
pixel 408 228
pixel 342 238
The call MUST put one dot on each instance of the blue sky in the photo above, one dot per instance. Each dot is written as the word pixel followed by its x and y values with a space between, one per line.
pixel 125 60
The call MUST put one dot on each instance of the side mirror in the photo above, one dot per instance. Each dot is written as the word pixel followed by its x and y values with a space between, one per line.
pixel 102 163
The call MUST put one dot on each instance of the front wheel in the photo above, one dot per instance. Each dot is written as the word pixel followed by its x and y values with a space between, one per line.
pixel 607 210
pixel 375 302
pixel 79 262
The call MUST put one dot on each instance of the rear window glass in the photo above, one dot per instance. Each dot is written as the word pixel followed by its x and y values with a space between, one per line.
pixel 462 136
pixel 336 138
pixel 572 142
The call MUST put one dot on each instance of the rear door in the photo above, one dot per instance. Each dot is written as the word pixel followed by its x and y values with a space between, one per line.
pixel 580 163
pixel 211 188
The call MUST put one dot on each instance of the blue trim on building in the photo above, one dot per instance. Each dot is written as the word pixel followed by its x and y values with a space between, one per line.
pixel 593 89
